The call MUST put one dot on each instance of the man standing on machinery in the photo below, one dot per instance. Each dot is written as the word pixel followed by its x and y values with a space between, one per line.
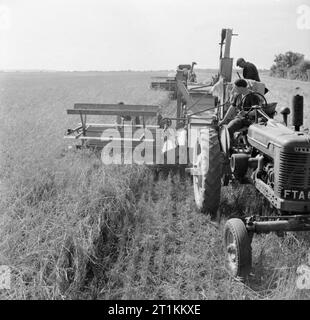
pixel 249 70
pixel 238 115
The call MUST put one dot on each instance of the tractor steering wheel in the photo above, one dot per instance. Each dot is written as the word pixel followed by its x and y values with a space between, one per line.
pixel 252 107
pixel 249 94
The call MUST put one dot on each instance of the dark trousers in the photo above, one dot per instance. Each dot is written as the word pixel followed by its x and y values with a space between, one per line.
pixel 237 124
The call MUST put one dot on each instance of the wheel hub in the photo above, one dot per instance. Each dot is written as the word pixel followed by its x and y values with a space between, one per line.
pixel 231 253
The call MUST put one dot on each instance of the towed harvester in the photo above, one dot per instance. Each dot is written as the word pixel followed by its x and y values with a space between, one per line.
pixel 169 83
pixel 268 154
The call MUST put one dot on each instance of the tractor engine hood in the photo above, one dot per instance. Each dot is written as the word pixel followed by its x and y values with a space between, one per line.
pixel 267 136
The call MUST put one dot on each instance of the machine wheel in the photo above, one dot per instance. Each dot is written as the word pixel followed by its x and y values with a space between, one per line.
pixel 207 180
pixel 238 251
pixel 225 140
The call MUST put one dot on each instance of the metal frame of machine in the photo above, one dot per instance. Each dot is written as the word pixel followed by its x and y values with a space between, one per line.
pixel 169 83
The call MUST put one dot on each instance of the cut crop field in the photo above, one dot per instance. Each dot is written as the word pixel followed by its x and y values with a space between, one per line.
pixel 72 228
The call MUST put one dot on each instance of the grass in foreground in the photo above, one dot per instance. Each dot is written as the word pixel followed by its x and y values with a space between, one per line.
pixel 79 231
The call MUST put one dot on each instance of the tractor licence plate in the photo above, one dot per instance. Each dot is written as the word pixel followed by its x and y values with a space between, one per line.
pixel 301 195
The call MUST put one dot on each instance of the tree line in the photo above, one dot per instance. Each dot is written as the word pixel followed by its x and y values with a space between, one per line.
pixel 291 65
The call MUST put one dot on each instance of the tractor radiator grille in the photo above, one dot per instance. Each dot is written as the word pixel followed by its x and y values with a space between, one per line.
pixel 294 171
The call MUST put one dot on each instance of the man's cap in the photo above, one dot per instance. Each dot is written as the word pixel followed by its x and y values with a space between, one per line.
pixel 241 83
pixel 239 61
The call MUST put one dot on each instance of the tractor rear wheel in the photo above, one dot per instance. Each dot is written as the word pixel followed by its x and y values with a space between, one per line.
pixel 208 171
pixel 238 251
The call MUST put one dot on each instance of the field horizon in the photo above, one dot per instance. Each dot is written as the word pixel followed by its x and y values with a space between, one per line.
pixel 215 69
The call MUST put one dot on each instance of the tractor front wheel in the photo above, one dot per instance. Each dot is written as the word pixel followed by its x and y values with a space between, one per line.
pixel 238 251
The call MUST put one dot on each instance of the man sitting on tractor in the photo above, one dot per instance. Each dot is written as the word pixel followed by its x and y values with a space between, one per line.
pixel 238 115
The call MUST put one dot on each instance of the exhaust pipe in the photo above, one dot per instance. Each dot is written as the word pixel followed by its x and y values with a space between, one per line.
pixel 298 111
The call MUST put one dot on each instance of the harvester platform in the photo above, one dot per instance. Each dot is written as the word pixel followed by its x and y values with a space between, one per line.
pixel 128 118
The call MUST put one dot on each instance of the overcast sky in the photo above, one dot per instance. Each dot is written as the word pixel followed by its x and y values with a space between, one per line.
pixel 147 34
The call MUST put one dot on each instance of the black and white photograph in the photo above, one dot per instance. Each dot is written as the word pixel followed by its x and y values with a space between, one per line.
pixel 154 151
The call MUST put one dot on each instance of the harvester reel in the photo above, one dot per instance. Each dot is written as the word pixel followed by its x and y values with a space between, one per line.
pixel 207 164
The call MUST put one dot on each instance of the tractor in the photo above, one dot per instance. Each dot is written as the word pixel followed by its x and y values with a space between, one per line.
pixel 275 159
pixel 268 154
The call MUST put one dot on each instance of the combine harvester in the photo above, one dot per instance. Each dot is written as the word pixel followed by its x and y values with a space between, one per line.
pixel 274 158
